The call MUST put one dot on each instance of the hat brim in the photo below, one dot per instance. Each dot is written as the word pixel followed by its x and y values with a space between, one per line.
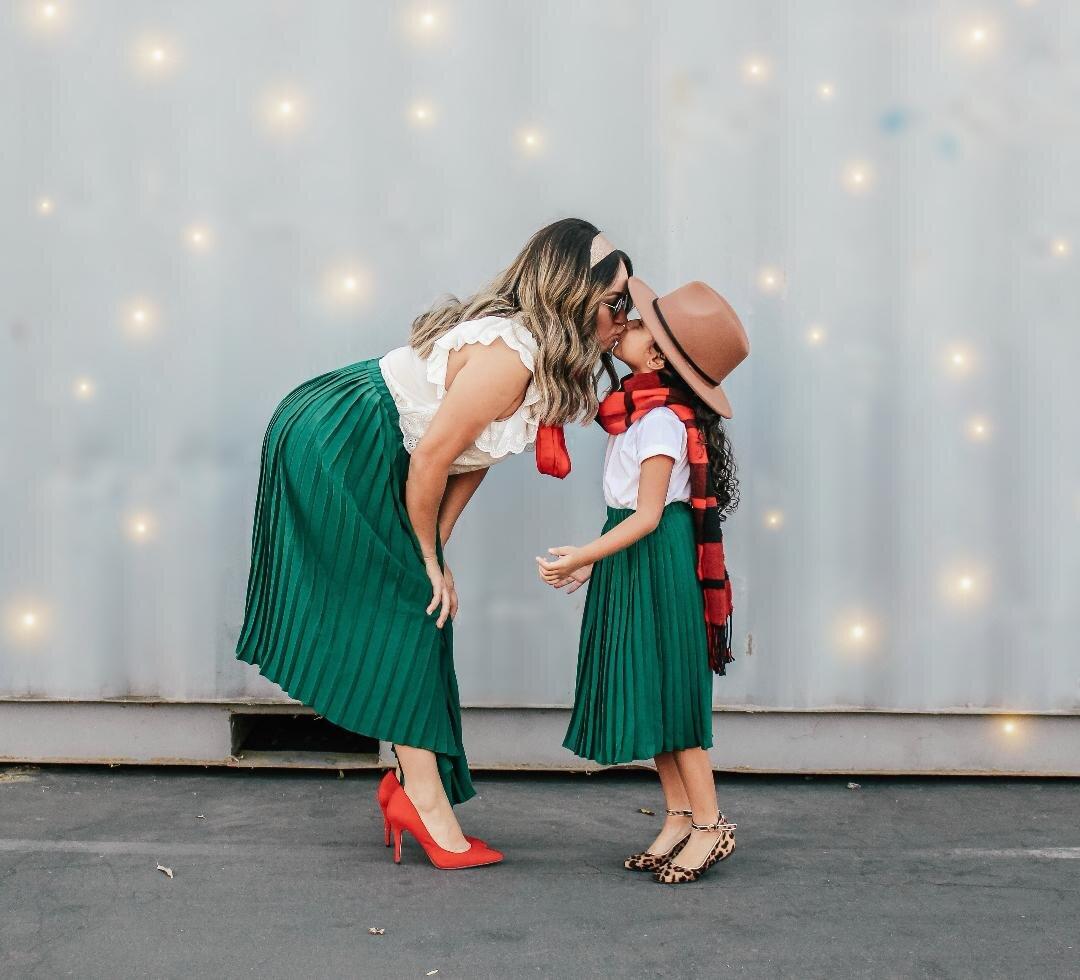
pixel 712 395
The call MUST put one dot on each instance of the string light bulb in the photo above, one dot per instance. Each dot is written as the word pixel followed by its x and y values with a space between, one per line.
pixel 141 527
pixel 774 520
pixel 422 114
pixel 140 318
pixel 45 205
pixel 154 57
pixel 978 428
pixel 1009 727
pixel 815 335
pixel 346 285
pixel 26 621
pixel 198 238
pixel 530 140
pixel 283 111
pixel 959 361
pixel 756 70
pixel 770 279
pixel 1059 248
pixel 83 388
pixel 858 177
pixel 826 91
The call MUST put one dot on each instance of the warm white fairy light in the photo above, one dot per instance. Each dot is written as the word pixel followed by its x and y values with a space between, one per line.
pixel 347 285
pixel 141 527
pixel 140 318
pixel 756 70
pixel 774 520
pixel 815 335
pixel 154 57
pixel 46 17
pixel 1059 248
pixel 198 238
pixel 1009 727
pixel 83 388
pixel 770 279
pixel 978 428
pixel 959 361
pixel 826 91
pixel 45 205
pixel 978 38
pixel 855 633
pixel 964 584
pixel 530 140
pixel 424 22
pixel 421 114
pixel 283 111
pixel 858 177
pixel 25 621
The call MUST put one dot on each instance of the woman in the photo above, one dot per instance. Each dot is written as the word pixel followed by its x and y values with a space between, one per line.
pixel 365 472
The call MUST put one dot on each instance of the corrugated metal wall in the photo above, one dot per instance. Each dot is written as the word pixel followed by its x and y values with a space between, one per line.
pixel 204 204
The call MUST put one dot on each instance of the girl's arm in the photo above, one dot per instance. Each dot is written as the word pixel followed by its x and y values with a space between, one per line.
pixel 459 491
pixel 652 495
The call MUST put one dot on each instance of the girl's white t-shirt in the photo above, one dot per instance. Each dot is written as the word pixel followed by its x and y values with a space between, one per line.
pixel 657 433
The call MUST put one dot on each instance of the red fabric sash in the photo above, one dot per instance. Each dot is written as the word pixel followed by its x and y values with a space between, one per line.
pixel 552 459
pixel 638 395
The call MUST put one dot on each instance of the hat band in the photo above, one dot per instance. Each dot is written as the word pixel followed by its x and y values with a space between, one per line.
pixel 679 347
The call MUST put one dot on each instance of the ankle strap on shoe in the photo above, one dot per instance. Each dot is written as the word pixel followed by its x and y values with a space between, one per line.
pixel 680 813
pixel 720 825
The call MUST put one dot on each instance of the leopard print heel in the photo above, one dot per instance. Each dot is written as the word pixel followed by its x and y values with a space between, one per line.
pixel 644 861
pixel 674 874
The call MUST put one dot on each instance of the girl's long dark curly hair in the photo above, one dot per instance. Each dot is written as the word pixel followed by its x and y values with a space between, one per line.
pixel 723 474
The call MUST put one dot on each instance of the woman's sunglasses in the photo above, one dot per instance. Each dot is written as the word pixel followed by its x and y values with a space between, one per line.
pixel 622 303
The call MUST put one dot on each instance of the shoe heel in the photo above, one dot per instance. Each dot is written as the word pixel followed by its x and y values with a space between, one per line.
pixel 386 830
pixel 397 845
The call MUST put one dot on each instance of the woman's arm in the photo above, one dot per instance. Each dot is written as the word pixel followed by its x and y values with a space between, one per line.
pixel 652 496
pixel 459 490
pixel 492 377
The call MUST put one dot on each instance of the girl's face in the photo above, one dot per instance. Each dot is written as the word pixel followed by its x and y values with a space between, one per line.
pixel 610 325
pixel 637 349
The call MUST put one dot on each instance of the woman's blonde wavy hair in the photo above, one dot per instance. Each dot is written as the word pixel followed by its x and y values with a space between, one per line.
pixel 553 292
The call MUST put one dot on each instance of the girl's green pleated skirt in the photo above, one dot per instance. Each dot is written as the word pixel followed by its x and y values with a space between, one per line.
pixel 643 679
pixel 337 589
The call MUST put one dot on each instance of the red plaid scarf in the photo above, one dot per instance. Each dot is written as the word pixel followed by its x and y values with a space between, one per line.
pixel 638 395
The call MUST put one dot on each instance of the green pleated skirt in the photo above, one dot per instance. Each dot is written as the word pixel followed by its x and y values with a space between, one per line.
pixel 643 679
pixel 337 589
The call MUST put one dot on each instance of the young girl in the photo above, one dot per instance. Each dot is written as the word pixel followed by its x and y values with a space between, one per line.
pixel 657 615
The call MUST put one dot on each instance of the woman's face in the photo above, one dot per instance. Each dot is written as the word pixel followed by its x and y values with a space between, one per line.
pixel 610 325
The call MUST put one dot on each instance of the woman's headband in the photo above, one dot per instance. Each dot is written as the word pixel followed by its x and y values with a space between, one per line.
pixel 600 250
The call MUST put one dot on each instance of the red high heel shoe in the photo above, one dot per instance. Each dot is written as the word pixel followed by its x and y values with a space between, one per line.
pixel 402 816
pixel 387 785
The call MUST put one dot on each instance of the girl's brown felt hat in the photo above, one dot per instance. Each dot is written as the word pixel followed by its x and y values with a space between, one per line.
pixel 699 333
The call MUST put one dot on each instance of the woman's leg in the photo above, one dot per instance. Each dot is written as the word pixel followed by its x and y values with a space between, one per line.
pixel 675 798
pixel 424 787
pixel 697 777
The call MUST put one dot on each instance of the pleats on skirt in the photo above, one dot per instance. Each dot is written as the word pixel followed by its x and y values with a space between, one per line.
pixel 337 589
pixel 643 679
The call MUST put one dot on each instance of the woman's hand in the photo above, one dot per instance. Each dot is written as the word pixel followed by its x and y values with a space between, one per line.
pixel 448 579
pixel 440 591
pixel 568 561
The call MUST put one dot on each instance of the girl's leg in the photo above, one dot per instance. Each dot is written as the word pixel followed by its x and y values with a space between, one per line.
pixel 425 789
pixel 675 798
pixel 696 773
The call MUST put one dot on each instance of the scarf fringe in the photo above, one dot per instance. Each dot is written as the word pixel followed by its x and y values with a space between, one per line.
pixel 719 637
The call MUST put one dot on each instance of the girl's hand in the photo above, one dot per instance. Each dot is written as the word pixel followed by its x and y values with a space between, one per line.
pixel 567 562
pixel 576 579
pixel 440 593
